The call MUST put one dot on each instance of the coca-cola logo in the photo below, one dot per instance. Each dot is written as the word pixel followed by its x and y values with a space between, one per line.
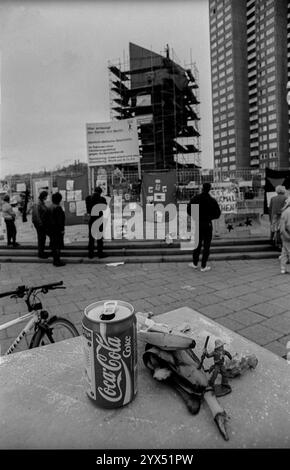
pixel 110 356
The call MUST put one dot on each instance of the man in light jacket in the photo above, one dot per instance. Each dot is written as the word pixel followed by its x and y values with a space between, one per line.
pixel 275 208
pixel 285 236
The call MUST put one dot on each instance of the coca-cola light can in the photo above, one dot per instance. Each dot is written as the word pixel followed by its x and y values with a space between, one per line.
pixel 110 351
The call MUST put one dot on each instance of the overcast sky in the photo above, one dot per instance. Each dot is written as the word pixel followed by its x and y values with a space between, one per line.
pixel 54 75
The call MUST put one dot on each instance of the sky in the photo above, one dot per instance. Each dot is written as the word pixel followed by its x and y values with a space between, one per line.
pixel 54 70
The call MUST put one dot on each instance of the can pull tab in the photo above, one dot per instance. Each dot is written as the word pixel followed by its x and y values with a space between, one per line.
pixel 109 310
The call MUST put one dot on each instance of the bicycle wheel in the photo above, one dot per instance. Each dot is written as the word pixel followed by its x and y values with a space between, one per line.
pixel 61 329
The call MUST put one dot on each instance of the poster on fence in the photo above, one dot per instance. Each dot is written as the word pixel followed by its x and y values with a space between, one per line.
pixel 274 178
pixel 39 185
pixel 74 191
pixel 226 199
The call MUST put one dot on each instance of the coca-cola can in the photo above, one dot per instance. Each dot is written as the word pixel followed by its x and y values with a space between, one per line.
pixel 110 351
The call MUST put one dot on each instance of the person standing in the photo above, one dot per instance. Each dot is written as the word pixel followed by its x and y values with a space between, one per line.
pixel 91 201
pixel 56 227
pixel 284 228
pixel 208 211
pixel 275 208
pixel 40 221
pixel 9 218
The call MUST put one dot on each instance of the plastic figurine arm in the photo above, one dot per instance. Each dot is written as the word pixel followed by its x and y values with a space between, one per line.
pixel 228 354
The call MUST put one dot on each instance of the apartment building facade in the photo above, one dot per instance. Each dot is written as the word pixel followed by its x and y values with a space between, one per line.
pixel 250 55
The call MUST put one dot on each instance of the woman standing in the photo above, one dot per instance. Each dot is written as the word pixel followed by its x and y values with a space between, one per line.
pixel 285 236
pixel 9 217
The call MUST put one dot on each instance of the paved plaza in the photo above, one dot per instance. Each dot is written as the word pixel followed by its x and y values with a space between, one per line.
pixel 249 297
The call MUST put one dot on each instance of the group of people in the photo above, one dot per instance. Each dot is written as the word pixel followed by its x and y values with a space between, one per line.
pixel 49 220
pixel 279 215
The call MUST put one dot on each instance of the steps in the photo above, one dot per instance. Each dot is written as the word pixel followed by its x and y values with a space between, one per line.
pixel 147 252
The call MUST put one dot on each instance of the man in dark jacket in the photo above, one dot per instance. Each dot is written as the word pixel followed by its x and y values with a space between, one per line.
pixel 56 225
pixel 40 221
pixel 208 210
pixel 94 200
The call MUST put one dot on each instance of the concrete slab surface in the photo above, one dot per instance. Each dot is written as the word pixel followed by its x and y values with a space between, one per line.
pixel 43 404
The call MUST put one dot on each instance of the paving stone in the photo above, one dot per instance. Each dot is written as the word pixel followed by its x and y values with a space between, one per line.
pixel 75 318
pixel 268 309
pixel 142 306
pixel 240 290
pixel 66 308
pixel 246 317
pixel 5 343
pixel 277 348
pixel 3 334
pixel 226 293
pixel 260 334
pixel 270 294
pixel 215 311
pixel 236 304
pixel 283 302
pixel 284 288
pixel 14 307
pixel 280 323
pixel 133 295
pixel 155 301
pixel 230 323
pixel 284 340
pixel 251 299
pixel 207 299
pixel 51 301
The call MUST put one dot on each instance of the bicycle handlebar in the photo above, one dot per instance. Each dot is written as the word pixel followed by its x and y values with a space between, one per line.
pixel 21 290
pixel 12 292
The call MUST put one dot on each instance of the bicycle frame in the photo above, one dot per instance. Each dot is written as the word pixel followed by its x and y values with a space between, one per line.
pixel 32 318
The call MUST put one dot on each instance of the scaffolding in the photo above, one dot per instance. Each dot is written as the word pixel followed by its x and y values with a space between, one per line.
pixel 163 97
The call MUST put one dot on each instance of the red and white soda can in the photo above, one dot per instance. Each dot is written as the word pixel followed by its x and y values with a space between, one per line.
pixel 110 351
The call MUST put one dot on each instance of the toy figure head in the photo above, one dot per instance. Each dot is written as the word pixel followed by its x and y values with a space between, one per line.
pixel 218 344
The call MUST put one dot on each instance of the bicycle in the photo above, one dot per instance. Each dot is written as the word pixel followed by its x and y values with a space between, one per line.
pixel 45 329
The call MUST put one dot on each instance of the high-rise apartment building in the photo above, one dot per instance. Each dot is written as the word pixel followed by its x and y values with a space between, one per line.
pixel 249 62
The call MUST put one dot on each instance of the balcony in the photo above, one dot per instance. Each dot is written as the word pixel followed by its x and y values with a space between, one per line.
pixel 254 135
pixel 250 10
pixel 253 81
pixel 251 20
pixel 251 30
pixel 254 161
pixel 254 144
pixel 253 100
pixel 250 2
pixel 252 64
pixel 253 91
pixel 252 55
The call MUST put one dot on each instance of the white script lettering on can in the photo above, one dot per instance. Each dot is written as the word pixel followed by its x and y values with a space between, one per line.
pixel 127 351
pixel 108 355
